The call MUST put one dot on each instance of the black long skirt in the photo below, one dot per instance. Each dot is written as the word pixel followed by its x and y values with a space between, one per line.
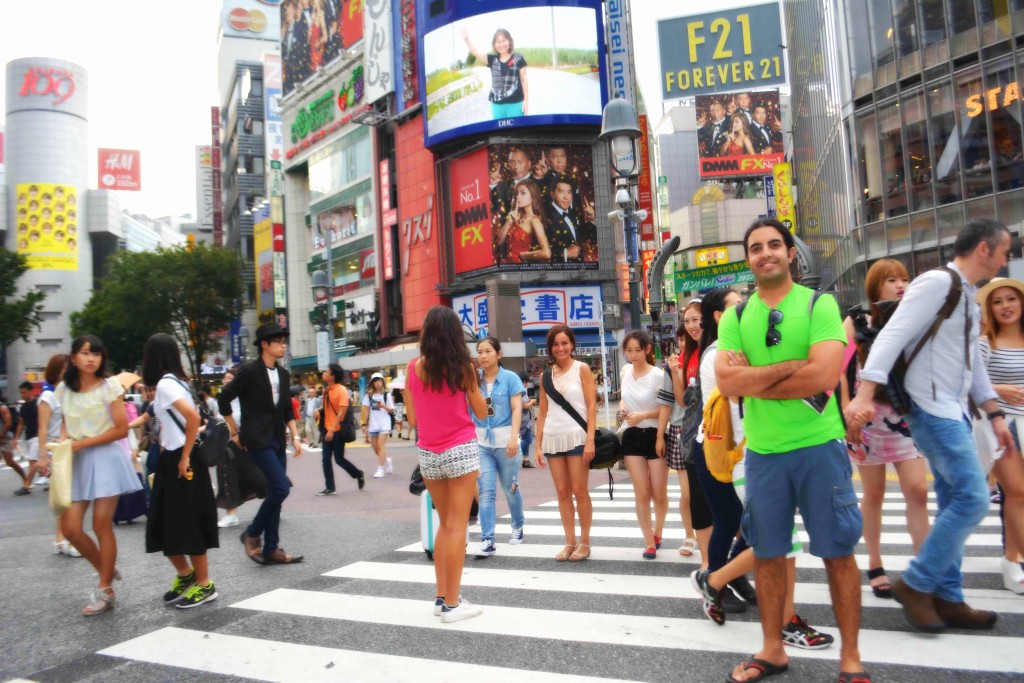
pixel 182 514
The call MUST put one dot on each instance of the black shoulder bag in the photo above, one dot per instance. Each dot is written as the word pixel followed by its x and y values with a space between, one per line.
pixel 212 444
pixel 608 450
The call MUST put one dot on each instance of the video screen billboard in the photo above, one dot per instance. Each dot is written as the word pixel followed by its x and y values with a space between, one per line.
pixel 313 32
pixel 535 65
pixel 47 220
pixel 739 134
pixel 538 212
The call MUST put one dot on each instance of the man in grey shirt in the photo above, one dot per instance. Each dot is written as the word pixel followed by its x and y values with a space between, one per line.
pixel 945 372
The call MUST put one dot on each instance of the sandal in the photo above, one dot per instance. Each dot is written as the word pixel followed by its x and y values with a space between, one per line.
pixel 763 668
pixel 859 677
pixel 657 542
pixel 881 590
pixel 689 547
pixel 101 602
pixel 566 553
pixel 581 553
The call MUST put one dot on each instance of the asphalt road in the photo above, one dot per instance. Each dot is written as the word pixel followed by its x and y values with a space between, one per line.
pixel 358 608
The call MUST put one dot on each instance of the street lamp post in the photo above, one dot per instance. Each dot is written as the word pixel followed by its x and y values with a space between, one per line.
pixel 321 287
pixel 619 128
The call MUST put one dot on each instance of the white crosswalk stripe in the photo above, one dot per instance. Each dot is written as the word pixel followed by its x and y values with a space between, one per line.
pixel 524 595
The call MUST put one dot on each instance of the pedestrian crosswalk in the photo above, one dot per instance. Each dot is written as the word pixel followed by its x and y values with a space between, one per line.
pixel 613 617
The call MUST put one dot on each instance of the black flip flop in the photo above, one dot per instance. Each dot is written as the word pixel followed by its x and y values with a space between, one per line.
pixel 764 670
pixel 882 590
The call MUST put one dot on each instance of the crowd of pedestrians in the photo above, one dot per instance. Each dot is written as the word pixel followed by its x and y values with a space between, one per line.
pixel 924 376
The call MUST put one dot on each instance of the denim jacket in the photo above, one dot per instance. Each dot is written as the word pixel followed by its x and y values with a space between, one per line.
pixel 506 385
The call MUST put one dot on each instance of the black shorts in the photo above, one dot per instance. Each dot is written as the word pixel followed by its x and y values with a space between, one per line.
pixel 640 441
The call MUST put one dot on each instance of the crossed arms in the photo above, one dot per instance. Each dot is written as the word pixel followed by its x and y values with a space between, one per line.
pixel 791 379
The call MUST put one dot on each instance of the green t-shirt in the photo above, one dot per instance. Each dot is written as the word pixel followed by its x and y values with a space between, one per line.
pixel 779 426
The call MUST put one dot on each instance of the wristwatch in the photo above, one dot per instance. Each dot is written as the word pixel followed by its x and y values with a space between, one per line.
pixel 996 413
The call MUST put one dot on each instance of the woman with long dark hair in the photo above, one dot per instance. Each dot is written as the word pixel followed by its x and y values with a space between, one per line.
pixel 645 462
pixel 523 233
pixel 92 403
pixel 569 448
pixel 182 516
pixel 441 383
pixel 498 439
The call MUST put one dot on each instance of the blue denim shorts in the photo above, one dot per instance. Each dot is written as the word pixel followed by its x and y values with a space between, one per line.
pixel 817 481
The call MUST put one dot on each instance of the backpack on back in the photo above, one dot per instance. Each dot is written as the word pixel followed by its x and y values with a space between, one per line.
pixel 720 448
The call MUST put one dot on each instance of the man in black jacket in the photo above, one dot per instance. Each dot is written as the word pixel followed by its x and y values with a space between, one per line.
pixel 261 387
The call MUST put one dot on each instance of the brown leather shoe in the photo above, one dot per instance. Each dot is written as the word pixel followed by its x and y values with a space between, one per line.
pixel 962 615
pixel 253 548
pixel 279 556
pixel 918 608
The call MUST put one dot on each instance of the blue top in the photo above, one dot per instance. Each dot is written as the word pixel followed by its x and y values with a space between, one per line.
pixel 506 385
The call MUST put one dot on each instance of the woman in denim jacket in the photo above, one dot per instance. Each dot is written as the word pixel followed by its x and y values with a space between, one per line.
pixel 498 439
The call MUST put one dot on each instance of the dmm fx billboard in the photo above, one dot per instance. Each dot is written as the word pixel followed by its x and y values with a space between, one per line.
pixel 736 273
pixel 486 67
pixel 579 307
pixel 524 208
pixel 739 134
pixel 721 51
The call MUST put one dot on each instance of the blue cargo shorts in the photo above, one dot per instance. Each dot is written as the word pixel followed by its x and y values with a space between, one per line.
pixel 815 480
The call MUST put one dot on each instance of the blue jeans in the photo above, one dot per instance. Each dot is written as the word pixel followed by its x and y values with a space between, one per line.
pixel 493 466
pixel 726 513
pixel 962 493
pixel 271 461
pixel 525 441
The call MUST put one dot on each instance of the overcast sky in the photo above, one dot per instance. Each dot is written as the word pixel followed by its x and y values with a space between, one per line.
pixel 153 71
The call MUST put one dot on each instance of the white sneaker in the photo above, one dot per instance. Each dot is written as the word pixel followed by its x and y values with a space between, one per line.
pixel 388 469
pixel 487 548
pixel 61 547
pixel 42 481
pixel 1013 577
pixel 73 551
pixel 379 474
pixel 228 520
pixel 517 536
pixel 463 610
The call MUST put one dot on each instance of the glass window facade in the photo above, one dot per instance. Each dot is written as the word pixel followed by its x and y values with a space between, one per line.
pixel 345 162
pixel 929 122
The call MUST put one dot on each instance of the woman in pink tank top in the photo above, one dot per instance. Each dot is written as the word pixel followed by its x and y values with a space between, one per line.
pixel 442 384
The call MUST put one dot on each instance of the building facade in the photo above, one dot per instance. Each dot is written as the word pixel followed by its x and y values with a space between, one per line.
pixel 907 124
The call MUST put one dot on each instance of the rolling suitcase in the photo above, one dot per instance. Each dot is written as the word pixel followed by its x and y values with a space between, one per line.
pixel 131 505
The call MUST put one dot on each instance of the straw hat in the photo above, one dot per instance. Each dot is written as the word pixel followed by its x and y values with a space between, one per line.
pixel 995 283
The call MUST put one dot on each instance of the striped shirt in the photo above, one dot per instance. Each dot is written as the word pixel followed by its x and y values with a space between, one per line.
pixel 1005 366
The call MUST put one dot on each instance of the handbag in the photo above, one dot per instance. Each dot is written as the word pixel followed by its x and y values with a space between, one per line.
pixel 607 449
pixel 985 441
pixel 60 476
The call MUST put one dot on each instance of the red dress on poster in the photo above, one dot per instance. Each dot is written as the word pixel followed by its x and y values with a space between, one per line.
pixel 316 55
pixel 518 241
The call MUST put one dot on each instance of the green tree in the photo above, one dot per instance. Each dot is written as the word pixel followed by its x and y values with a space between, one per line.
pixel 18 317
pixel 191 293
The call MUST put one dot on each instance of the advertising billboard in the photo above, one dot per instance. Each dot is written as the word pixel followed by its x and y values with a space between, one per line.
pixel 47 225
pixel 263 250
pixel 739 134
pixel 120 169
pixel 579 307
pixel 785 208
pixel 493 70
pixel 253 19
pixel 380 63
pixel 725 275
pixel 204 187
pixel 524 208
pixel 313 33
pixel 721 51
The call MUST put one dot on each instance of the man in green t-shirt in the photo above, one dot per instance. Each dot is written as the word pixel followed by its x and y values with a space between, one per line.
pixel 784 354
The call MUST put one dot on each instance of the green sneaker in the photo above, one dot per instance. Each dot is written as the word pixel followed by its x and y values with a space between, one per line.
pixel 197 595
pixel 178 588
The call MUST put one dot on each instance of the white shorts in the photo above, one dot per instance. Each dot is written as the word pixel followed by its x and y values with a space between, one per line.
pixel 451 463
pixel 32 449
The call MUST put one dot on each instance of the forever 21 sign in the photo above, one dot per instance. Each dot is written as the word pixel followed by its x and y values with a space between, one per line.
pixel 48 81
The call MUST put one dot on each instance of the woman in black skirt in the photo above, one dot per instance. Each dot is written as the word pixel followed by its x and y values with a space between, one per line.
pixel 182 516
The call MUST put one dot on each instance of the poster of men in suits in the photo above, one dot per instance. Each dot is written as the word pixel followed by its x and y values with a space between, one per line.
pixel 739 134
pixel 542 207
pixel 313 33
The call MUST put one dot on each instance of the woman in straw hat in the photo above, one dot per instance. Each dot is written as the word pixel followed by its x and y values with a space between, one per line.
pixel 1002 349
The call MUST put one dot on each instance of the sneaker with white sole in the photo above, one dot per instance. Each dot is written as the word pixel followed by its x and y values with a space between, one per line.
pixel 228 521
pixel 179 587
pixel 379 474
pixel 389 469
pixel 799 633
pixel 438 606
pixel 42 481
pixel 463 610
pixel 517 536
pixel 487 548
pixel 197 595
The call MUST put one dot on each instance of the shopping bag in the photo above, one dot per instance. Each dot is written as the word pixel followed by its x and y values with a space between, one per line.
pixel 60 476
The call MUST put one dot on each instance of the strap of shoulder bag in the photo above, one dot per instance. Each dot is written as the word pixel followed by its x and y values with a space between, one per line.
pixel 549 387
pixel 952 299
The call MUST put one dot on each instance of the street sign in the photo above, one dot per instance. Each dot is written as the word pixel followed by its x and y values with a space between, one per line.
pixel 769 194
pixel 323 350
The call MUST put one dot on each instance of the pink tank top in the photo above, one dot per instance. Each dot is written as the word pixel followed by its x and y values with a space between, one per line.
pixel 449 425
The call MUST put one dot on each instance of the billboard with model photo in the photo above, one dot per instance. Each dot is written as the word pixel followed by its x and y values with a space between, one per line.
pixel 313 32
pixel 486 69
pixel 537 213
pixel 739 134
